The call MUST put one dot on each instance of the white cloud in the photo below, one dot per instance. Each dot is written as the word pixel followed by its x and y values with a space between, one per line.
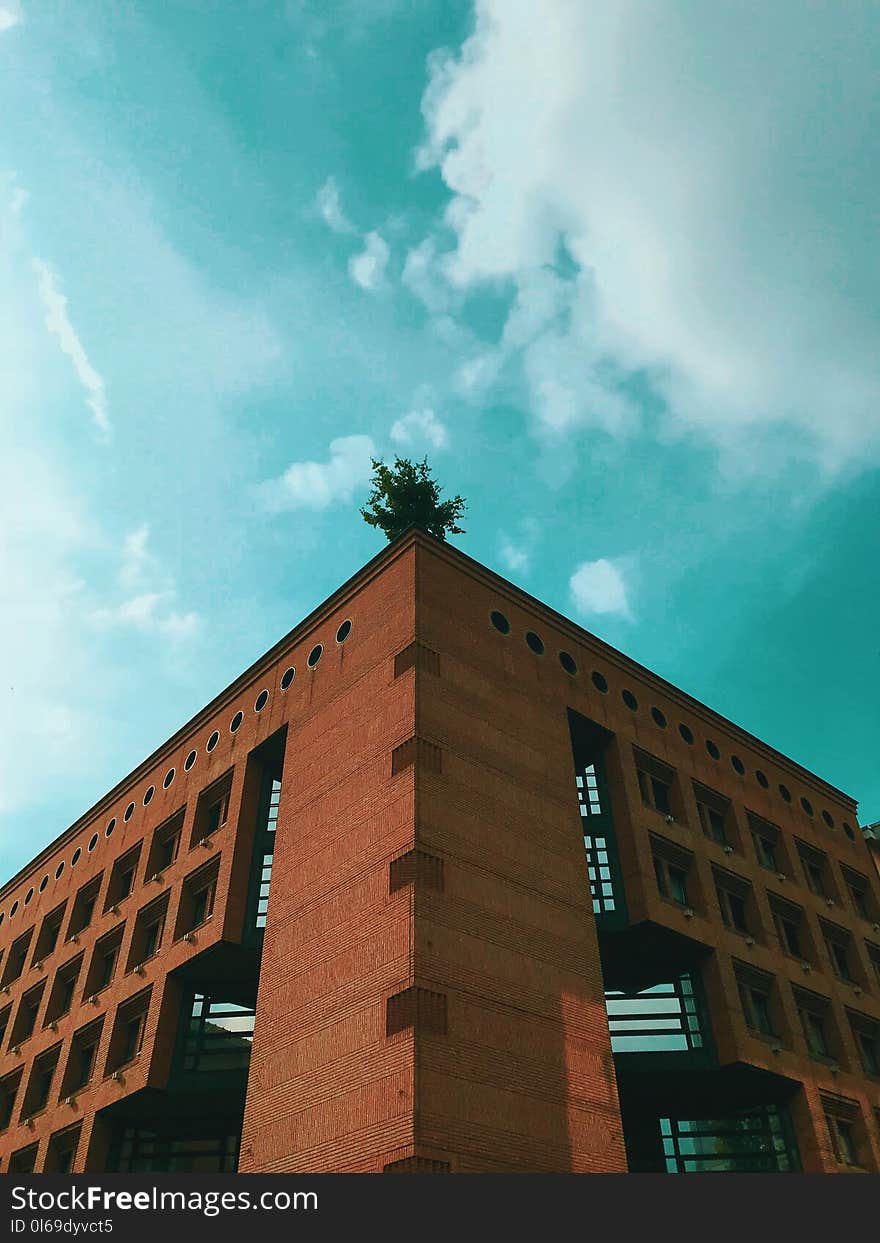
pixel 368 268
pixel 423 278
pixel 701 196
pixel 599 587
pixel 318 485
pixel 419 428
pixel 329 206
pixel 516 558
pixel 148 594
pixel 59 325
pixel 10 14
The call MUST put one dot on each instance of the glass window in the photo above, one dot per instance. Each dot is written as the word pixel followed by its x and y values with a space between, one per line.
pixel 218 1036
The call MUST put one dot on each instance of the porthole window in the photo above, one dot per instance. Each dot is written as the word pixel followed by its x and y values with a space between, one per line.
pixel 148 794
pixel 213 740
pixel 236 721
pixel 2 917
pixel 599 681
pixel 28 896
pixel 44 882
pixel 848 830
pixel 738 765
pixel 500 622
pixel 535 642
pixel 761 778
pixel 828 818
pixel 785 792
pixel 568 663
pixel 93 841
pixel 630 700
pixel 261 701
pixel 807 806
pixel 315 655
pixel 189 761
pixel 686 733
pixel 75 859
pixel 108 832
pixel 13 909
pixel 343 632
pixel 169 777
pixel 712 749
pixel 59 870
pixel 289 675
pixel 658 718
pixel 128 813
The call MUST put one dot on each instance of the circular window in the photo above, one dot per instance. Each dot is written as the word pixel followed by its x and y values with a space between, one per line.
pixel 213 740
pixel 93 841
pixel 315 655
pixel 738 765
pixel 828 818
pixel 658 718
pixel 785 792
pixel 761 779
pixel 500 622
pixel 236 721
pixel 44 882
pixel 848 830
pixel 807 806
pixel 169 777
pixel 28 896
pixel 712 749
pixel 189 761
pixel 128 813
pixel 687 734
pixel 108 832
pixel 599 681
pixel 1 917
pixel 630 700
pixel 13 909
pixel 59 870
pixel 261 701
pixel 568 663
pixel 343 632
pixel 76 855
pixel 289 675
pixel 148 794
pixel 535 642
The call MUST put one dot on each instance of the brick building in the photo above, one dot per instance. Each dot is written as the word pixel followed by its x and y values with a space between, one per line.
pixel 444 883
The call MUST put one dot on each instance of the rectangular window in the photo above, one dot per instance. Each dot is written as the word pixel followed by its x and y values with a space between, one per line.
pixel 846 1130
pixel 714 812
pixel 212 809
pixel 671 879
pixel 197 899
pixel 657 784
pixel 860 893
pixel 81 1061
pixel 63 988
pixel 866 1034
pixel 816 874
pixel 122 877
pixel 165 845
pixel 84 906
pixel 665 1018
pixel 814 1012
pixel 757 994
pixel 218 1036
pixel 735 902
pixel 16 958
pixel 127 1037
pixel 61 1152
pixel 40 1083
pixel 757 1139
pixel 788 920
pixel 767 841
pixel 148 928
pixel 838 942
pixel 146 1152
pixel 9 1086
pixel 49 933
pixel 104 959
pixel 26 1017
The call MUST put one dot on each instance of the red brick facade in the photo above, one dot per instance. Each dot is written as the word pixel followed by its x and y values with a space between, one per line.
pixel 431 977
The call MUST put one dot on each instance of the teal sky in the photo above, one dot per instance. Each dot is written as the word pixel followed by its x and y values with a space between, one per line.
pixel 615 268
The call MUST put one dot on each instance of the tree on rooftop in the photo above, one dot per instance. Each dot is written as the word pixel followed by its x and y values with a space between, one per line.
pixel 405 496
